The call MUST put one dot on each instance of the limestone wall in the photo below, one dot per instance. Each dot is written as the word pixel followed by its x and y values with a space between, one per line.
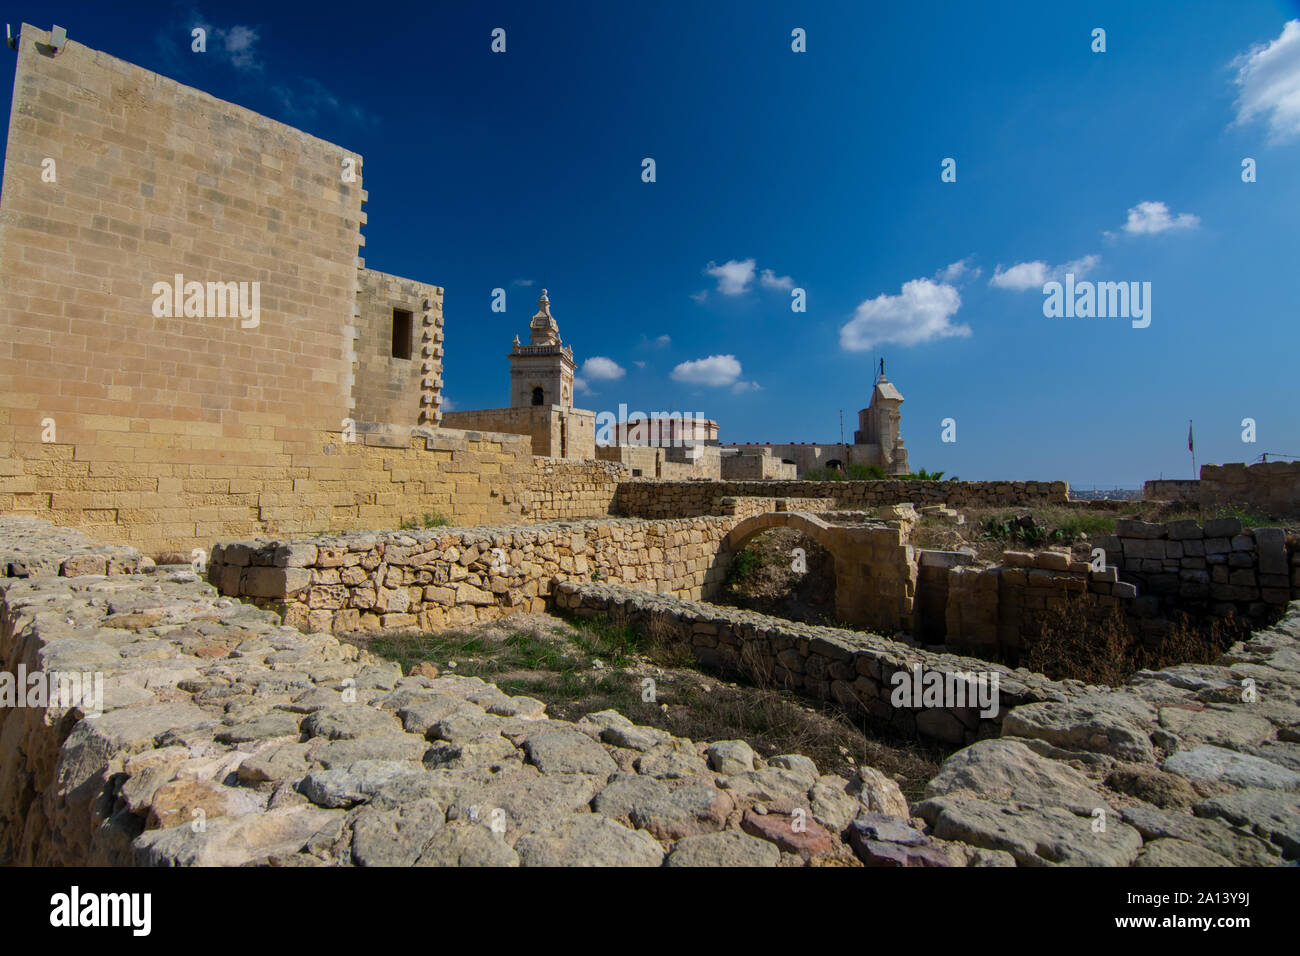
pixel 226 739
pixel 453 576
pixel 646 499
pixel 1270 488
pixel 387 387
pixel 293 749
pixel 669 464
pixel 562 488
pixel 852 668
pixel 555 431
pixel 170 432
pixel 756 467
pixel 1154 572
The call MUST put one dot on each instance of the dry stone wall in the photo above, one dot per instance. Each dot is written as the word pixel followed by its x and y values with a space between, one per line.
pixel 455 576
pixel 855 669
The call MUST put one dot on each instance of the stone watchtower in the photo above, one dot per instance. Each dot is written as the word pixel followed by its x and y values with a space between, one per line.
pixel 541 373
pixel 880 424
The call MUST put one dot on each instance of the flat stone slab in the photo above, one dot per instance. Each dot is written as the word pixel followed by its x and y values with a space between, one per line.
pixel 1271 814
pixel 1217 765
pixel 731 848
pixel 1035 836
pixel 588 839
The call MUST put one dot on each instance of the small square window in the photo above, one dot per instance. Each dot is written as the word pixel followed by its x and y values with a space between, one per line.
pixel 401 334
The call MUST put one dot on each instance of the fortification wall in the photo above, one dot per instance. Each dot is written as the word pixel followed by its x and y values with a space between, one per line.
pixel 398 374
pixel 752 467
pixel 648 499
pixel 1271 488
pixel 170 431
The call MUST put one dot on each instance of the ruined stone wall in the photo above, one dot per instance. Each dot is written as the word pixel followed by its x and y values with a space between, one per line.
pixel 1154 572
pixel 387 388
pixel 647 499
pixel 1172 489
pixel 1271 488
pixel 296 750
pixel 852 668
pixel 447 577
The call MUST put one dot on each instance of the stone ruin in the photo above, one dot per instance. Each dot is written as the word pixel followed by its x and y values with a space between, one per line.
pixel 232 693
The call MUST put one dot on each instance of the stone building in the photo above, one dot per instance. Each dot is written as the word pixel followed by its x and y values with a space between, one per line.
pixel 878 440
pixel 191 345
pixel 541 396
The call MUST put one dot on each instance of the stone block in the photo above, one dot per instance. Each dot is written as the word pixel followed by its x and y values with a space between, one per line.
pixel 1222 527
pixel 1133 528
pixel 274 582
pixel 1271 544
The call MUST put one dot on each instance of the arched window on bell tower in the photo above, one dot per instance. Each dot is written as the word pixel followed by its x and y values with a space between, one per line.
pixel 539 396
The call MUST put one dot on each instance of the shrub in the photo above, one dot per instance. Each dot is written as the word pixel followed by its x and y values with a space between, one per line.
pixel 745 563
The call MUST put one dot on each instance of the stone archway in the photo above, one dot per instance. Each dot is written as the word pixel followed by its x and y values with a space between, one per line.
pixel 875 569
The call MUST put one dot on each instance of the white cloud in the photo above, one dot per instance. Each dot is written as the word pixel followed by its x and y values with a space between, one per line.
pixel 741 387
pixel 1268 79
pixel 239 42
pixel 955 272
pixel 661 342
pixel 447 404
pixel 1031 275
pixel 639 364
pixel 700 296
pixel 734 276
pixel 770 280
pixel 1150 218
pixel 920 313
pixel 601 369
pixel 714 370
pixel 580 385
pixel 522 282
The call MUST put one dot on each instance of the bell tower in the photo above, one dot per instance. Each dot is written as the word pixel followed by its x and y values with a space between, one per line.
pixel 541 372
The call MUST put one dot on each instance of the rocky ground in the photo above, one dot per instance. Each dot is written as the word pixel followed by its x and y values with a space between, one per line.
pixel 1192 765
pixel 230 739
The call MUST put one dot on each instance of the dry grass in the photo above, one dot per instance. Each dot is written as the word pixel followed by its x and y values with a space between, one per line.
pixel 1110 651
pixel 584 665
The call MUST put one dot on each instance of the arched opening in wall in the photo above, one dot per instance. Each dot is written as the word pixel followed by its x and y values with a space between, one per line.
pixel 539 396
pixel 782 572
pixel 835 463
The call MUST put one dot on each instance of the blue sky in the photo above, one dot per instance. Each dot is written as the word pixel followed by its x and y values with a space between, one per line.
pixel 819 171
